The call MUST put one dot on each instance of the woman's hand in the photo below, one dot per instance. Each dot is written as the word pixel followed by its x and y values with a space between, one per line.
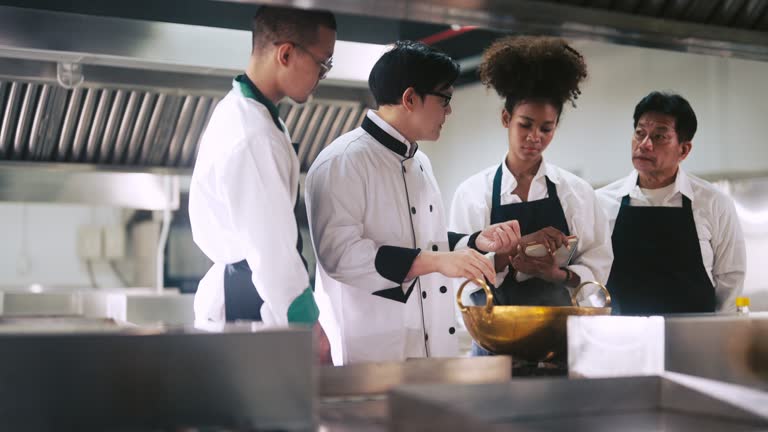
pixel 545 267
pixel 551 238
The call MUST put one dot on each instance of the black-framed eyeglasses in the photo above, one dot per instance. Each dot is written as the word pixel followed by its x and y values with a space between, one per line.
pixel 446 98
pixel 325 65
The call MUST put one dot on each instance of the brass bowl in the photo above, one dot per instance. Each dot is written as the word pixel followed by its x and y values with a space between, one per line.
pixel 532 333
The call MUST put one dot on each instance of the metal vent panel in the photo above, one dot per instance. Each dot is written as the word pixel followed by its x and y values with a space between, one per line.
pixel 316 124
pixel 45 122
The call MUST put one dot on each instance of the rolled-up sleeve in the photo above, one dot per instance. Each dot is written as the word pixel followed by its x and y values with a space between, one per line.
pixel 729 250
pixel 594 256
pixel 336 196
pixel 257 193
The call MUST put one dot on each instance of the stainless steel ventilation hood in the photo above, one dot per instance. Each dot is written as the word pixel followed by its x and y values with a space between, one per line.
pixel 147 92
pixel 728 28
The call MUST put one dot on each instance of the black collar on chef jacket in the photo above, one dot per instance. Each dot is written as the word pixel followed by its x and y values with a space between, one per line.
pixel 386 139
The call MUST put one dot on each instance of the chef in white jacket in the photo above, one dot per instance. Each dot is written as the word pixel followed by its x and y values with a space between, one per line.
pixel 377 221
pixel 246 177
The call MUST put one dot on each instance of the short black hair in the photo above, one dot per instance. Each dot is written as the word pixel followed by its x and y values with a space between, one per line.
pixel 673 105
pixel 411 64
pixel 272 24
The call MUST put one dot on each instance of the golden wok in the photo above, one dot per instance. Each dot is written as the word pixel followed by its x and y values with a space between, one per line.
pixel 533 333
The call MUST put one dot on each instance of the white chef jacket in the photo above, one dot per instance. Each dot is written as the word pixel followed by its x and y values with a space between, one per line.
pixel 717 224
pixel 471 211
pixel 362 195
pixel 241 202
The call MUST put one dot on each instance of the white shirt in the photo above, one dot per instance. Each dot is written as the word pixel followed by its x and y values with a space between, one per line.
pixel 471 211
pixel 360 196
pixel 241 202
pixel 657 197
pixel 717 224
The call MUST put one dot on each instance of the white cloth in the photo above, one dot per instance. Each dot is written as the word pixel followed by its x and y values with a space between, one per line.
pixel 241 200
pixel 471 211
pixel 361 196
pixel 612 346
pixel 717 224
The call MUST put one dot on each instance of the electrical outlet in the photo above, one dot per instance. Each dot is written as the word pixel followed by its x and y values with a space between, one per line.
pixel 89 244
pixel 114 242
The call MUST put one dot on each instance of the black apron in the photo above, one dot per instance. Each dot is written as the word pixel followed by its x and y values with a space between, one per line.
pixel 532 216
pixel 657 264
pixel 241 300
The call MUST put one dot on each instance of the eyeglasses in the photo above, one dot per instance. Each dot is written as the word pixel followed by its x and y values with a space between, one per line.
pixel 325 65
pixel 658 139
pixel 446 98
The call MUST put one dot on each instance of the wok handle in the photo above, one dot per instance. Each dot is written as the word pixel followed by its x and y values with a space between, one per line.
pixel 583 284
pixel 482 284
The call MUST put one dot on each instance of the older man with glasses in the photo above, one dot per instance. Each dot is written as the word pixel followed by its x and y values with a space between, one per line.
pixel 677 242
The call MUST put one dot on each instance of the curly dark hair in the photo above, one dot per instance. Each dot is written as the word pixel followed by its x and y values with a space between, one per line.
pixel 533 67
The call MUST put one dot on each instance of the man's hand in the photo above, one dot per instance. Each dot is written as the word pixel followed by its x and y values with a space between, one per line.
pixel 501 238
pixel 322 346
pixel 467 264
pixel 550 237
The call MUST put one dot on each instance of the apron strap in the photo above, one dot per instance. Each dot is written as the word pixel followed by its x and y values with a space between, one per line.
pixel 551 189
pixel 687 204
pixel 496 194
pixel 625 201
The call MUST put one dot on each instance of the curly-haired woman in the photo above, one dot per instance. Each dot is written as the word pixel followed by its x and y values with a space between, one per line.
pixel 536 76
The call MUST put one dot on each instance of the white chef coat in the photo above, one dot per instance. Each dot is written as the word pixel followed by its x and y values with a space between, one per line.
pixel 471 211
pixel 362 195
pixel 717 224
pixel 241 201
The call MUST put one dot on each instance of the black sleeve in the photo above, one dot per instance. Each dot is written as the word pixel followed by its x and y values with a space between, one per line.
pixel 394 263
pixel 454 238
pixel 472 242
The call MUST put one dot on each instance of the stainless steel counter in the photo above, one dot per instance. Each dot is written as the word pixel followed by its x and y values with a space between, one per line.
pixel 354 397
pixel 668 403
pixel 92 378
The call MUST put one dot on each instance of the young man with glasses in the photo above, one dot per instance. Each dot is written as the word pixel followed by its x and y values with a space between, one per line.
pixel 677 242
pixel 377 221
pixel 246 179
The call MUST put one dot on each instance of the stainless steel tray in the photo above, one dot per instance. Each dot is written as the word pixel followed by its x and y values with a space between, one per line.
pixel 672 402
pixel 48 324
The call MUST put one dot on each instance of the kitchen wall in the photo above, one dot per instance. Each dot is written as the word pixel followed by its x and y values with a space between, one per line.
pixel 730 98
pixel 40 245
